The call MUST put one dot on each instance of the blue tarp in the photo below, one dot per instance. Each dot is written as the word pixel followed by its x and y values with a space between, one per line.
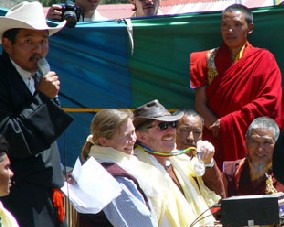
pixel 97 69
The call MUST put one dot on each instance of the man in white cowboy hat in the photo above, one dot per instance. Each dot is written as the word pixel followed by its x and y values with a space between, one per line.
pixel 30 118
pixel 156 136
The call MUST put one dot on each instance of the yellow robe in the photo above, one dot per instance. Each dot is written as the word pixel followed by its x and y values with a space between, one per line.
pixel 199 197
pixel 7 220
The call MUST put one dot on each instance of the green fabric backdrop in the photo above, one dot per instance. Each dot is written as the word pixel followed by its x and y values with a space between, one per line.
pixel 160 64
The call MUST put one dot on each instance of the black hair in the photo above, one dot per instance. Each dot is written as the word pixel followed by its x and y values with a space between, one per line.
pixel 11 34
pixel 190 112
pixel 4 147
pixel 239 7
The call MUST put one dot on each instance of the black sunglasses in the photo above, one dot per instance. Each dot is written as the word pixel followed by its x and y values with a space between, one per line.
pixel 164 125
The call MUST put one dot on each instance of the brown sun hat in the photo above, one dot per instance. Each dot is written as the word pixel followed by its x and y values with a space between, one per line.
pixel 153 110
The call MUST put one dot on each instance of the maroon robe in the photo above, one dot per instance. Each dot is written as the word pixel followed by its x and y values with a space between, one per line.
pixel 240 183
pixel 241 92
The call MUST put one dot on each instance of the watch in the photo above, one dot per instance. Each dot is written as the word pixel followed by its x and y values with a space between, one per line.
pixel 211 164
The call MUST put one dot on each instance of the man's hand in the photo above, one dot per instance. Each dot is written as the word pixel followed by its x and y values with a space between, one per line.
pixel 215 128
pixel 207 151
pixel 49 85
pixel 70 179
pixel 54 12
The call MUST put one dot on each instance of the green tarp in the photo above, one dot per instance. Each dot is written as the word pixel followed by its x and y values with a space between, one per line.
pixel 98 70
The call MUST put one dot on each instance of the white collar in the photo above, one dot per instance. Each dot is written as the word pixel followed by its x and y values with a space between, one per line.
pixel 24 74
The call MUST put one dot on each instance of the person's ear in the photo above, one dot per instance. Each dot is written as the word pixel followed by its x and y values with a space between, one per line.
pixel 102 141
pixel 250 28
pixel 141 136
pixel 7 45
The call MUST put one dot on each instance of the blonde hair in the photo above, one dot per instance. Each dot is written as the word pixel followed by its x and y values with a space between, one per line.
pixel 105 124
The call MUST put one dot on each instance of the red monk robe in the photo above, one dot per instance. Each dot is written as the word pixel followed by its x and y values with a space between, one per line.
pixel 240 92
pixel 240 181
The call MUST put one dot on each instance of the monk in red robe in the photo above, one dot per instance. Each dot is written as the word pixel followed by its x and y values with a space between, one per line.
pixel 235 84
pixel 254 175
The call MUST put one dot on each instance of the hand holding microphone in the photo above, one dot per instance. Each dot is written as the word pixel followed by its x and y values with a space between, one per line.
pixel 49 83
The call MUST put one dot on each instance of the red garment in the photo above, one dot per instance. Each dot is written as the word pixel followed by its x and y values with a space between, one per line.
pixel 240 183
pixel 58 202
pixel 242 91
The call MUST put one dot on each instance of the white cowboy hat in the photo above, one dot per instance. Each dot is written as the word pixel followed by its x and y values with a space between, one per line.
pixel 27 15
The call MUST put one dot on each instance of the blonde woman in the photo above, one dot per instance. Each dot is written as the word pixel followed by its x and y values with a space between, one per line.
pixel 112 137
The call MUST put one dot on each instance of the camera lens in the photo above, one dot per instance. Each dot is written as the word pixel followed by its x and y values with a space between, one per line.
pixel 70 18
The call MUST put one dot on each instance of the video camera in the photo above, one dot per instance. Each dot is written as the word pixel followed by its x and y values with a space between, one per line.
pixel 71 13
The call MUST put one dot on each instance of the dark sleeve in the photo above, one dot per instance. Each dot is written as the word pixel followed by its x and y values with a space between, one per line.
pixel 213 179
pixel 229 170
pixel 29 124
pixel 278 159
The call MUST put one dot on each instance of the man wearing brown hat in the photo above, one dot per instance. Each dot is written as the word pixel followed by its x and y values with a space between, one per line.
pixel 30 118
pixel 156 135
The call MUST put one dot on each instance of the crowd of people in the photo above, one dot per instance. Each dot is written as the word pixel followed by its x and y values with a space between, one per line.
pixel 173 168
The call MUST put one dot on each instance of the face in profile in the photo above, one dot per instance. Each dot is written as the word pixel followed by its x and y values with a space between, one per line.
pixel 146 7
pixel 260 146
pixel 235 29
pixel 189 131
pixel 5 175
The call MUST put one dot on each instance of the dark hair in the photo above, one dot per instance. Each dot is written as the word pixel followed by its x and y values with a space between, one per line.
pixel 239 7
pixel 144 125
pixel 190 113
pixel 11 34
pixel 4 146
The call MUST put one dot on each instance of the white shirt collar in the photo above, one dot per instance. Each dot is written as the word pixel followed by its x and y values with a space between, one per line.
pixel 24 74
pixel 26 77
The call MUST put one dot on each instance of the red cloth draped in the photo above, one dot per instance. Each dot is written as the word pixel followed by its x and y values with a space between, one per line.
pixel 245 186
pixel 242 91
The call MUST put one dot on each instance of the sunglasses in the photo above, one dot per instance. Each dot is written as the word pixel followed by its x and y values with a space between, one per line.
pixel 164 125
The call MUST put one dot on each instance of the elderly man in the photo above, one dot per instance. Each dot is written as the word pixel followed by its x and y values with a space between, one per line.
pixel 189 132
pixel 156 135
pixel 30 117
pixel 235 83
pixel 253 175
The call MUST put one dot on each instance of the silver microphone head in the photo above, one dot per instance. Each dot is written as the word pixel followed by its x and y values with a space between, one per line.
pixel 43 66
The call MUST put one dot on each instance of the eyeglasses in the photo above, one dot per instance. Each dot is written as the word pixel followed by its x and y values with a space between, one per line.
pixel 164 125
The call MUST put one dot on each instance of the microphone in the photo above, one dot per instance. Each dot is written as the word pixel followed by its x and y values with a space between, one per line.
pixel 44 68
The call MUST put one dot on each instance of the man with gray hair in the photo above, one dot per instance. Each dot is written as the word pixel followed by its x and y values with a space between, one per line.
pixel 253 175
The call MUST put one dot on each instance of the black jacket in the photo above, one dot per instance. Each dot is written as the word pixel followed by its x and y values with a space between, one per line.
pixel 31 124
